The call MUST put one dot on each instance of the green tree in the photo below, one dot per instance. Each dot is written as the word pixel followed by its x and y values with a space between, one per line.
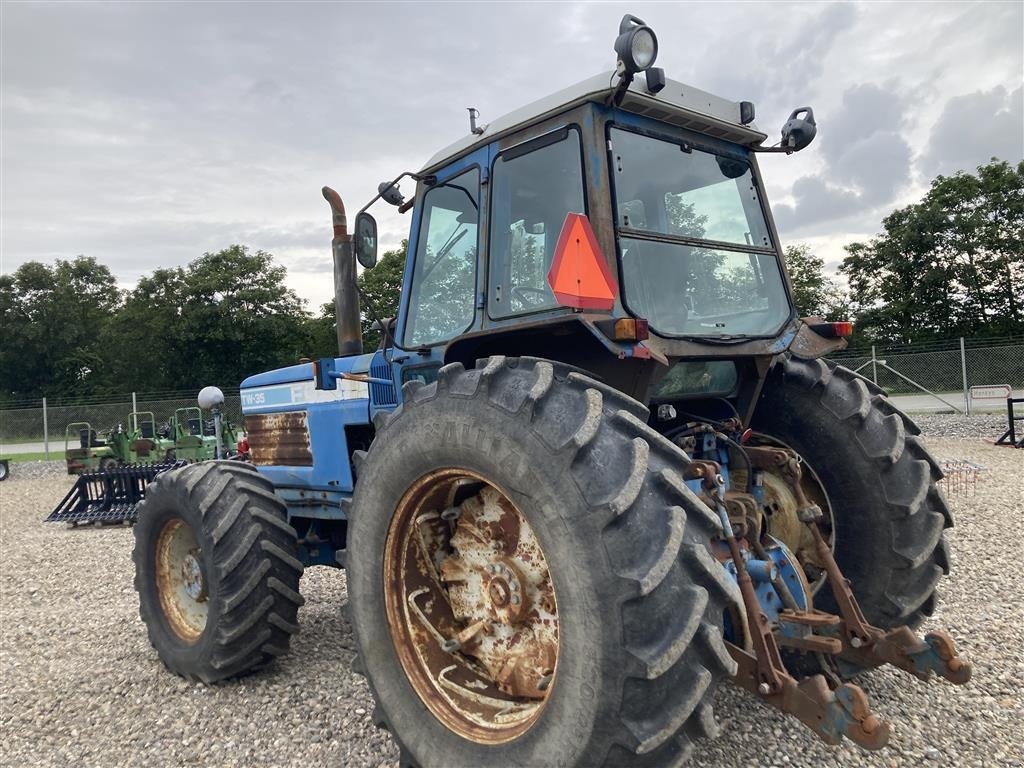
pixel 223 317
pixel 54 319
pixel 814 292
pixel 380 291
pixel 950 265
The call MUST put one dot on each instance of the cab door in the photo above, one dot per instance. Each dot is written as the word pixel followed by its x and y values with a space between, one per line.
pixel 440 286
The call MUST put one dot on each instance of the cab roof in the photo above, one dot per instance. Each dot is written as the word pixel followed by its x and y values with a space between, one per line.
pixel 676 104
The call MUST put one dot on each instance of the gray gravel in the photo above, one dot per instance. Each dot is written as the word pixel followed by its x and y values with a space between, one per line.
pixel 37 470
pixel 80 685
pixel 984 426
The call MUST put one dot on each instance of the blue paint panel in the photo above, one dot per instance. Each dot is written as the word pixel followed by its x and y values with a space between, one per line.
pixel 304 371
pixel 301 372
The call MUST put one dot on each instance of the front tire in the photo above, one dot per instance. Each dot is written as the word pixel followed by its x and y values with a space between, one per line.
pixel 639 600
pixel 217 571
pixel 888 511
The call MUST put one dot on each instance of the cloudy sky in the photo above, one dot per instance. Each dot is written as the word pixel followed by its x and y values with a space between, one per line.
pixel 145 134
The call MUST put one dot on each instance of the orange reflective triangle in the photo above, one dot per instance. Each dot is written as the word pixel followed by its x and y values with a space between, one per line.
pixel 579 275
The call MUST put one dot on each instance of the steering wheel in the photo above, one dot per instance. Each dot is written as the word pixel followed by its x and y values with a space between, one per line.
pixel 538 296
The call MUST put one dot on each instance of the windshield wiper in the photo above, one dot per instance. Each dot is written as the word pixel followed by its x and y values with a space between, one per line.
pixel 458 233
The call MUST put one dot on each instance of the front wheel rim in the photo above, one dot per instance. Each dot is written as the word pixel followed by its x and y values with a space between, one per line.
pixel 181 582
pixel 471 606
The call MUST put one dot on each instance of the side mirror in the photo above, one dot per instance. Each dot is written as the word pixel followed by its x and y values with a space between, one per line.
pixel 366 240
pixel 798 131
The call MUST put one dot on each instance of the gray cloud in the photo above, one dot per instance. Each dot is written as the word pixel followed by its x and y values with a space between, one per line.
pixel 787 58
pixel 144 134
pixel 867 159
pixel 975 128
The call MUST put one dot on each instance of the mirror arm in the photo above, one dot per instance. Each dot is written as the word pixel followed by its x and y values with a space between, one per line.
pixel 429 179
pixel 786 150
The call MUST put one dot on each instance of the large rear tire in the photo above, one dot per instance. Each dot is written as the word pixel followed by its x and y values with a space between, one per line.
pixel 637 598
pixel 217 570
pixel 888 511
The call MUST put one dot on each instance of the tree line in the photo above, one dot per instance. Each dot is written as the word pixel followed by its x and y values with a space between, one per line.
pixel 951 264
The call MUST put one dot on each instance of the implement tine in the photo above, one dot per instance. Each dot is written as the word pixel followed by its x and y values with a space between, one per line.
pixel 109 496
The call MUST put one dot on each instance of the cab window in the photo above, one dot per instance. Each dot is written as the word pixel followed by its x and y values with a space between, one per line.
pixel 441 300
pixel 534 186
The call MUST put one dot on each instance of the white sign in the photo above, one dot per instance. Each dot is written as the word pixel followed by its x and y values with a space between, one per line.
pixel 991 392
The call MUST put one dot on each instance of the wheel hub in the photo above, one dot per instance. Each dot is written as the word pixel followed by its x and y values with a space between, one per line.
pixel 192 577
pixel 471 606
pixel 181 581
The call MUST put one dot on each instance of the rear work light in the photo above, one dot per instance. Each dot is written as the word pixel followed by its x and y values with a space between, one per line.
pixel 839 330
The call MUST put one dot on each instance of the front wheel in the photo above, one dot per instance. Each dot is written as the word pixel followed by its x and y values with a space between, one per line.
pixel 216 570
pixel 529 579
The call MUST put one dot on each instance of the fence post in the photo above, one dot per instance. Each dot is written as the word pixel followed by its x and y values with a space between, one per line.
pixel 135 405
pixel 874 366
pixel 963 370
pixel 46 433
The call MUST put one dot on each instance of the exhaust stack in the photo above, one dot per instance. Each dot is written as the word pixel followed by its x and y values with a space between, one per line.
pixel 346 294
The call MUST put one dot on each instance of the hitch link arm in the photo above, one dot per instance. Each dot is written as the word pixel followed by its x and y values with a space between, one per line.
pixel 870 646
pixel 829 714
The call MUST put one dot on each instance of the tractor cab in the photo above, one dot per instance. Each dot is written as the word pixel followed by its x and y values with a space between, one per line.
pixel 619 225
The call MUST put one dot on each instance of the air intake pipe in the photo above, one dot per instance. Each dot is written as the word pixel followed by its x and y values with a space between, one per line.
pixel 346 293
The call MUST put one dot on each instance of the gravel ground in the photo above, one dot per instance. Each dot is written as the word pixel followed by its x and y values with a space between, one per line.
pixel 80 685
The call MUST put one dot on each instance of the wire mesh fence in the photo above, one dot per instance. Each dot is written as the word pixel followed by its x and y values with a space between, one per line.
pixel 40 425
pixel 935 376
pixel 958 374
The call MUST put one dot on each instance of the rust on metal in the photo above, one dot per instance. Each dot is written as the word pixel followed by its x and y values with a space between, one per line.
pixel 181 580
pixel 831 715
pixel 471 606
pixel 142 447
pixel 808 345
pixel 791 493
pixel 279 439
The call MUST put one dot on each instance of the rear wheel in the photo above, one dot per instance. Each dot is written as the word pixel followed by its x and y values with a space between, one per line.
pixel 887 510
pixel 217 571
pixel 529 579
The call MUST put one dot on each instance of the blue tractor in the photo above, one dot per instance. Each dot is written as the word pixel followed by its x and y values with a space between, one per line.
pixel 597 465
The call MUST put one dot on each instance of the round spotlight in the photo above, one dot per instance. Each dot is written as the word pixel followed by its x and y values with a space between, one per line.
pixel 636 45
pixel 644 48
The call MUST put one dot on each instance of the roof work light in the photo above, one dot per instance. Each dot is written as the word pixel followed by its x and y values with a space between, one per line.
pixel 636 46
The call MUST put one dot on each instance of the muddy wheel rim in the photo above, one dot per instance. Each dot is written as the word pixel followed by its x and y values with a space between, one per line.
pixel 181 580
pixel 780 510
pixel 471 606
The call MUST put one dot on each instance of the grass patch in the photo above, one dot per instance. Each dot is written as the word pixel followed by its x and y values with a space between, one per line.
pixel 40 456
